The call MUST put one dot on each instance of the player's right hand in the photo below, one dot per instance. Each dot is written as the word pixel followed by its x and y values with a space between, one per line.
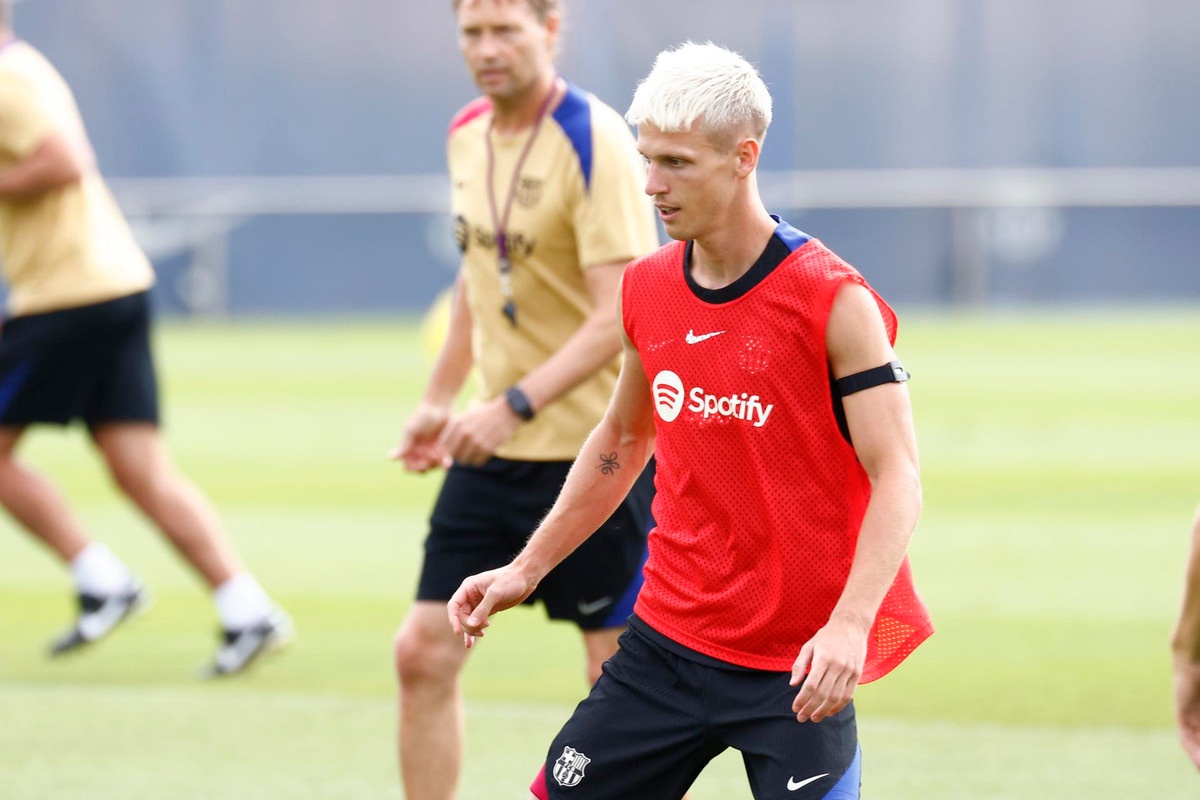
pixel 482 595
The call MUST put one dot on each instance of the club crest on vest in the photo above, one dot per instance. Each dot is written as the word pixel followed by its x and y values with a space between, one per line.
pixel 568 769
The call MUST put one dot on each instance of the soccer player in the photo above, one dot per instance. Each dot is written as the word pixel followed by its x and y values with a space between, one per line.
pixel 759 371
pixel 548 205
pixel 1186 646
pixel 76 346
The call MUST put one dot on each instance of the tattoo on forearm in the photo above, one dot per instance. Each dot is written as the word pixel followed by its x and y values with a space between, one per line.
pixel 608 463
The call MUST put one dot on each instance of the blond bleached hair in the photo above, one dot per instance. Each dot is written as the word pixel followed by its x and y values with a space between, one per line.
pixel 705 85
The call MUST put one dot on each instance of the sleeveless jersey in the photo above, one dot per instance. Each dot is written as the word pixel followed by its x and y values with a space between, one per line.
pixel 759 496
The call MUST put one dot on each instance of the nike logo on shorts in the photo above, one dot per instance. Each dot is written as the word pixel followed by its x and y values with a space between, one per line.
pixel 587 609
pixel 793 784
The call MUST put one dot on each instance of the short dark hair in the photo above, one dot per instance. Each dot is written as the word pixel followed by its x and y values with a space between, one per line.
pixel 541 8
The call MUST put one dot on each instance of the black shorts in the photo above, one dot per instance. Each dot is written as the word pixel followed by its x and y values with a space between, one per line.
pixel 484 515
pixel 654 719
pixel 91 363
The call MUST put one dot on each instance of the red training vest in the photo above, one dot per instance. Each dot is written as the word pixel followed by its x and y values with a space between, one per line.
pixel 759 497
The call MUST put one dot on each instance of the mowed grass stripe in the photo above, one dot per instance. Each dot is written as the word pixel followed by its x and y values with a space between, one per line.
pixel 113 743
pixel 1058 452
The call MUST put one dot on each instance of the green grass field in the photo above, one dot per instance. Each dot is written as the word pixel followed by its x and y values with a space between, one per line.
pixel 1060 456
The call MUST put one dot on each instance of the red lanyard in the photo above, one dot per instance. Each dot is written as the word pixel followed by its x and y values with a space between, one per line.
pixel 500 222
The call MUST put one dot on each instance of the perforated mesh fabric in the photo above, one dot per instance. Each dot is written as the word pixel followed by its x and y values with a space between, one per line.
pixel 760 498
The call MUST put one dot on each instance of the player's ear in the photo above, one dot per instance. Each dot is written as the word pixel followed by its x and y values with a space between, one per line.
pixel 553 25
pixel 748 151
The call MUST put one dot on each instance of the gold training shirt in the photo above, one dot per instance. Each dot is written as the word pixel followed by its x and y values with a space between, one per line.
pixel 69 246
pixel 578 202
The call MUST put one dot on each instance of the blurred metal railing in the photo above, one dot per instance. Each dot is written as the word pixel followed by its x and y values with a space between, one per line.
pixel 197 215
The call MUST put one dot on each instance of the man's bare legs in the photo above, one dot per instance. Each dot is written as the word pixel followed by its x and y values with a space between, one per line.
pixel 143 470
pixel 139 464
pixel 107 592
pixel 36 503
pixel 432 728
pixel 600 646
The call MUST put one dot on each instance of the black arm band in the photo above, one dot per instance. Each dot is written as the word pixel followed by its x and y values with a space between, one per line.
pixel 891 372
pixel 519 403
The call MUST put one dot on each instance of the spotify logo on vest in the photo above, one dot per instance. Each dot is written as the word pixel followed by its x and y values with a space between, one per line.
pixel 668 395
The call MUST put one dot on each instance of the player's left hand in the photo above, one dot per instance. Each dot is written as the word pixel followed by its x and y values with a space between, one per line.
pixel 833 660
pixel 472 437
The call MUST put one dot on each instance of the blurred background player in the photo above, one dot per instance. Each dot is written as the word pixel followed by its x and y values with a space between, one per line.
pixel 76 346
pixel 1186 646
pixel 779 556
pixel 548 208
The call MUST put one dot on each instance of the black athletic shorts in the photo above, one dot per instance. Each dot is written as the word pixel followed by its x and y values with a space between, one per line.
pixel 655 718
pixel 484 515
pixel 91 363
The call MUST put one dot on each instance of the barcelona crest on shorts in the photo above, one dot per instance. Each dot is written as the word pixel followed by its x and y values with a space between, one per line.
pixel 568 770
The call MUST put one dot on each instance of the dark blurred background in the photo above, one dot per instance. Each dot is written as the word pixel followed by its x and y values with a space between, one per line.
pixel 287 156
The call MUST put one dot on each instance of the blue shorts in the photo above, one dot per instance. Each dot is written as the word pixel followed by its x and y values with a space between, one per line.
pixel 656 718
pixel 484 515
pixel 91 363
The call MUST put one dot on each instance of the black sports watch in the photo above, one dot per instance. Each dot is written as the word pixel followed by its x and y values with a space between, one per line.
pixel 519 403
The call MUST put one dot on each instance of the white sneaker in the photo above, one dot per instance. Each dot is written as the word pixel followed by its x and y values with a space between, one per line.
pixel 241 647
pixel 100 614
